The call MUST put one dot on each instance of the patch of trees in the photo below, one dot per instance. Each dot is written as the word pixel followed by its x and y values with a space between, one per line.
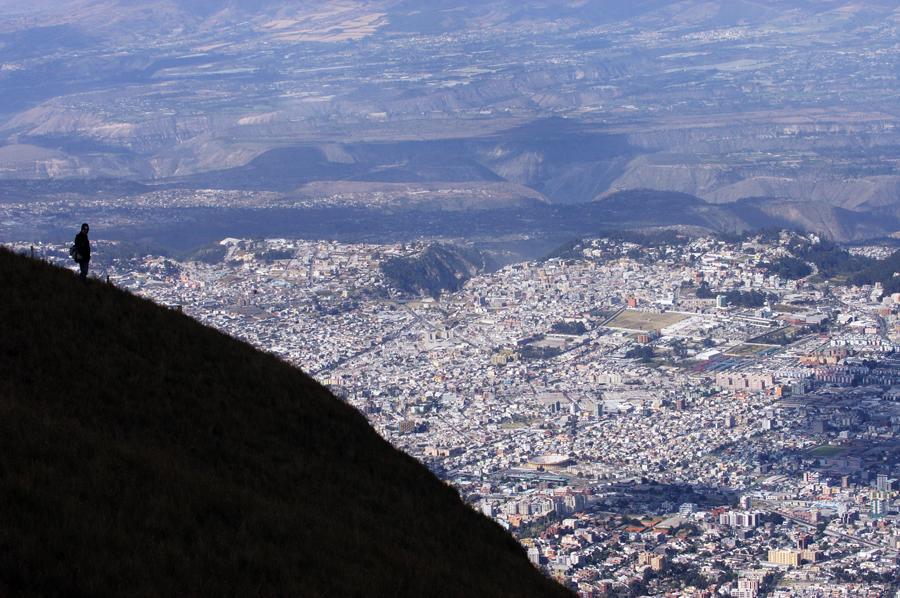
pixel 642 353
pixel 574 328
pixel 748 298
pixel 685 575
pixel 598 555
pixel 831 260
pixel 538 525
pixel 728 574
pixel 678 348
pixel 834 261
pixel 689 530
pixel 868 577
pixel 271 255
pixel 533 352
pixel 790 268
pixel 736 297
pixel 880 271
pixel 704 292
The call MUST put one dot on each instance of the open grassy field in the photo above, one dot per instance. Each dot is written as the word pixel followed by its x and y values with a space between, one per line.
pixel 645 321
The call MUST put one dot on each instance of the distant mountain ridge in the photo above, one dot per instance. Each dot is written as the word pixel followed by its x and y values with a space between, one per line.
pixel 442 15
pixel 144 454
pixel 567 102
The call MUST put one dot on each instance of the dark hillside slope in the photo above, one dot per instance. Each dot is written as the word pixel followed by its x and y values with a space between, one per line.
pixel 435 269
pixel 143 454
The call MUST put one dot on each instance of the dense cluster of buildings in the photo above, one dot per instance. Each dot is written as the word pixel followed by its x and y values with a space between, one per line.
pixel 638 431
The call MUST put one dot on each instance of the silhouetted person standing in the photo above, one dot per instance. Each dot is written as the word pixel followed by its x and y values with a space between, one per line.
pixel 83 250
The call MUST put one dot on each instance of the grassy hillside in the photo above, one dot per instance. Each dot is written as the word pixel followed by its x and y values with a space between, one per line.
pixel 143 454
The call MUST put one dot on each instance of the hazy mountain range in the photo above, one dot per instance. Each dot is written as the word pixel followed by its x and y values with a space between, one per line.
pixel 789 102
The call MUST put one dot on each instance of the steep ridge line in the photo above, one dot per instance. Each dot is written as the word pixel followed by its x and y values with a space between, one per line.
pixel 142 453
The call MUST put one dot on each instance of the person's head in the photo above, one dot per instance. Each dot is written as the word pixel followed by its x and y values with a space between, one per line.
pixel 85 228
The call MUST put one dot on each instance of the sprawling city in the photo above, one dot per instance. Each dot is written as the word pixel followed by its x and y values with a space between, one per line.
pixel 622 279
pixel 654 413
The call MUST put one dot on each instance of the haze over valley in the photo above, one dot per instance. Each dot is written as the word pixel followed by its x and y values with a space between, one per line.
pixel 773 112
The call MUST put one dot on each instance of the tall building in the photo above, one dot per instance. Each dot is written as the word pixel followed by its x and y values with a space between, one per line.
pixel 745 519
pixel 656 561
pixel 810 556
pixel 745 381
pixel 574 503
pixel 785 557
pixel 747 588
pixel 884 484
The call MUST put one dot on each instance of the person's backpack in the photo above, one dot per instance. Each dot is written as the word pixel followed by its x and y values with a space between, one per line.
pixel 73 253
